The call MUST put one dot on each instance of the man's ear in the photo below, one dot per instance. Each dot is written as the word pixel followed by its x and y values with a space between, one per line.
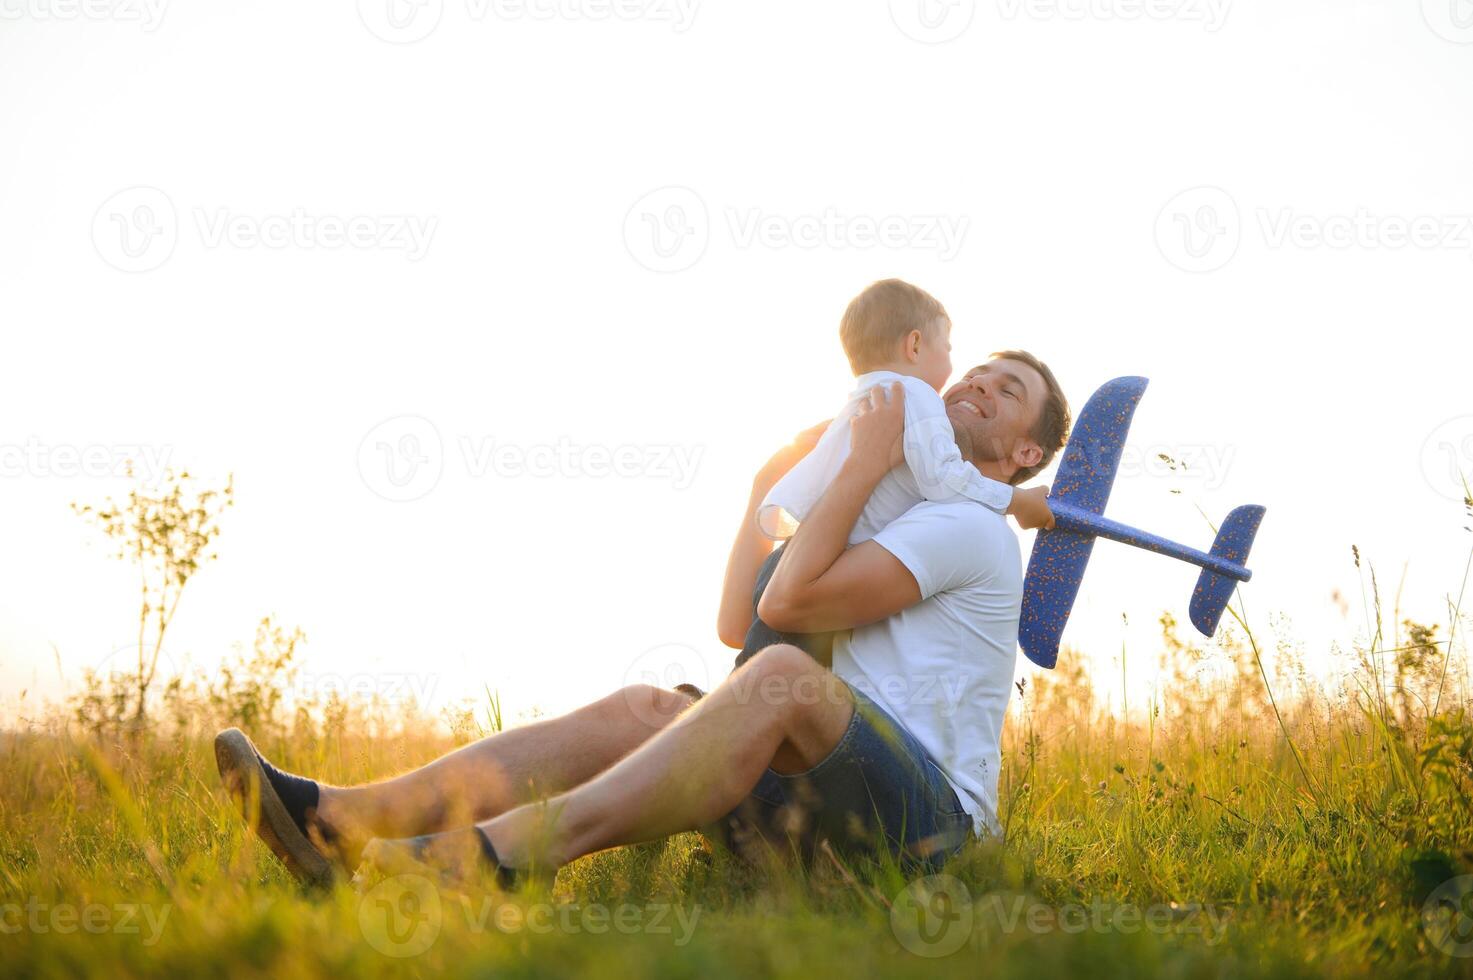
pixel 1028 455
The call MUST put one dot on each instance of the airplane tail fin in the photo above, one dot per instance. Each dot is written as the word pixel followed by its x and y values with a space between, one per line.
pixel 1234 541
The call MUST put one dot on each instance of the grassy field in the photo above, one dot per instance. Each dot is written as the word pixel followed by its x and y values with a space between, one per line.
pixel 1195 840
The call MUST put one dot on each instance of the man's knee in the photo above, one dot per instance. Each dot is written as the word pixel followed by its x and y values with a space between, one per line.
pixel 652 706
pixel 782 660
pixel 804 700
pixel 786 677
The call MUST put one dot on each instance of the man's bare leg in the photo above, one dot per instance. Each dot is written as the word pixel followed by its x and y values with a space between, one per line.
pixel 782 709
pixel 496 773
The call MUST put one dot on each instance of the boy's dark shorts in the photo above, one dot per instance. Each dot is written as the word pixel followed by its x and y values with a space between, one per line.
pixel 760 636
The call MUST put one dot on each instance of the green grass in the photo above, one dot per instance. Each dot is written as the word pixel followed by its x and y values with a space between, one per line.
pixel 1250 861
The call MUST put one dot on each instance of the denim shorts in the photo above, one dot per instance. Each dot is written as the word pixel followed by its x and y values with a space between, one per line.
pixel 760 636
pixel 878 788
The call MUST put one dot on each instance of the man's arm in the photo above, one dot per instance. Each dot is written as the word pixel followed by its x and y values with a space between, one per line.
pixel 748 552
pixel 751 547
pixel 818 585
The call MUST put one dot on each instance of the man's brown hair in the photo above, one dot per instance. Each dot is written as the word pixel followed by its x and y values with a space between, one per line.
pixel 1051 431
pixel 881 316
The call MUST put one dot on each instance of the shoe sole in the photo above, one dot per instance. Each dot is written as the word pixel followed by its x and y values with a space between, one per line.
pixel 242 774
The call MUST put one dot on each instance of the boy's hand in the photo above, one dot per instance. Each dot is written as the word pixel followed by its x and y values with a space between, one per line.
pixel 1030 508
pixel 876 436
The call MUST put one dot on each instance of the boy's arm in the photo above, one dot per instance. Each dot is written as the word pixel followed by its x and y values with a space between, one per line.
pixel 751 547
pixel 934 460
pixel 1030 508
pixel 941 472
pixel 820 586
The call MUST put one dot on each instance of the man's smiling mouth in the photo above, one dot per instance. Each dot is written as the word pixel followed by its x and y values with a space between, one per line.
pixel 964 404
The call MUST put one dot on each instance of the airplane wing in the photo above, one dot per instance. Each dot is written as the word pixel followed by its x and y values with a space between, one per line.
pixel 1085 476
pixel 1087 471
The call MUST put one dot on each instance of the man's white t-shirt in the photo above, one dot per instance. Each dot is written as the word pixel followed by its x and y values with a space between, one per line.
pixel 944 667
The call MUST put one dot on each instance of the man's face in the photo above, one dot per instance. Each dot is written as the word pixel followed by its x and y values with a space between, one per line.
pixel 994 408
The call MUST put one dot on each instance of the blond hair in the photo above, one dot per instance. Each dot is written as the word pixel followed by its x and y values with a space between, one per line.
pixel 883 315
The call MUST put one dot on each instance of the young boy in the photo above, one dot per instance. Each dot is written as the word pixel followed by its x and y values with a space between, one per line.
pixel 891 332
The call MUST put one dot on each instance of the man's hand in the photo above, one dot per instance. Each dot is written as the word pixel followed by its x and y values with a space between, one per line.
pixel 820 584
pixel 876 436
pixel 1030 508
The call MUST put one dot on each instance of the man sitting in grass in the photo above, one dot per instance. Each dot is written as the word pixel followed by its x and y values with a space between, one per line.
pixel 896 747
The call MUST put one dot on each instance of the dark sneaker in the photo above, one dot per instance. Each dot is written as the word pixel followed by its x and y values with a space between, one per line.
pixel 248 778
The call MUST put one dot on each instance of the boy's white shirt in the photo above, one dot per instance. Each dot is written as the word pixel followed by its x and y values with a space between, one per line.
pixel 934 469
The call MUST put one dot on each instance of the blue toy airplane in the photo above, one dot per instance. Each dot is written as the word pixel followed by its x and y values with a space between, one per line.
pixel 1078 498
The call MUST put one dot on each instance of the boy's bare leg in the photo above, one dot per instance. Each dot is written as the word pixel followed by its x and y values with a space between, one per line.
pixel 781 709
pixel 499 772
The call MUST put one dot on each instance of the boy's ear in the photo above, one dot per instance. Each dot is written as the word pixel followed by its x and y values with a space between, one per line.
pixel 913 345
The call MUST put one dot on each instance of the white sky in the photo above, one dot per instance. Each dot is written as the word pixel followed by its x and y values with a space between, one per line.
pixel 1058 146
